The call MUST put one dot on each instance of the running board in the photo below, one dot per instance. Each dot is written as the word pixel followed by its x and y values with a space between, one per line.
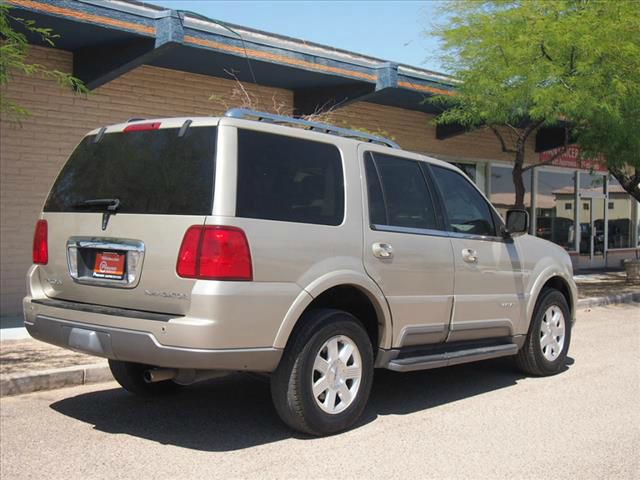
pixel 425 362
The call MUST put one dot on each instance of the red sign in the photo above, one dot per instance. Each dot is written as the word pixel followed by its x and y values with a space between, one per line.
pixel 109 265
pixel 570 158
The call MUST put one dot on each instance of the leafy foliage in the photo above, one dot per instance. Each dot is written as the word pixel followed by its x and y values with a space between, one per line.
pixel 14 49
pixel 525 64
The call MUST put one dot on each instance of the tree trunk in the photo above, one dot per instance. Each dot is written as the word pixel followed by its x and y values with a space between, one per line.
pixel 630 182
pixel 518 182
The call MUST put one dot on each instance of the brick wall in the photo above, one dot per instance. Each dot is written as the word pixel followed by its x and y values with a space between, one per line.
pixel 415 131
pixel 32 153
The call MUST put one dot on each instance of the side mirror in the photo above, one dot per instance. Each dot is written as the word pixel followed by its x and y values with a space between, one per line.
pixel 517 222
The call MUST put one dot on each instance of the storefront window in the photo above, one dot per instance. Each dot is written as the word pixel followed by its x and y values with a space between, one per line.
pixel 555 207
pixel 591 214
pixel 620 216
pixel 503 193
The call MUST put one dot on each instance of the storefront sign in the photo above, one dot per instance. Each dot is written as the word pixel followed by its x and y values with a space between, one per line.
pixel 570 158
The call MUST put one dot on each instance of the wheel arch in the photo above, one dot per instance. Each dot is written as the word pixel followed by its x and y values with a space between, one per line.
pixel 348 291
pixel 559 282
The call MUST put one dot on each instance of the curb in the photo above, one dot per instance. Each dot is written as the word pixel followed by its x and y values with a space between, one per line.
pixel 20 383
pixel 609 300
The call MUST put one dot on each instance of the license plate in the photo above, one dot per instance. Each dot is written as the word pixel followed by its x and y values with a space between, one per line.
pixel 109 265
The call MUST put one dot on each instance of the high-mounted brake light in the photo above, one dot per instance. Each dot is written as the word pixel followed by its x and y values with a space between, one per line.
pixel 214 253
pixel 141 127
pixel 40 243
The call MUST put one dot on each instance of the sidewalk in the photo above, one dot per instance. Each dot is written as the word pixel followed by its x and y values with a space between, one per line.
pixel 602 284
pixel 27 365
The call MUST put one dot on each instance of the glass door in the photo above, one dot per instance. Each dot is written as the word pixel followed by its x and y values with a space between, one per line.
pixel 592 213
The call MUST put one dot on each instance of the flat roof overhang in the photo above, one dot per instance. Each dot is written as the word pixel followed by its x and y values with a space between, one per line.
pixel 111 37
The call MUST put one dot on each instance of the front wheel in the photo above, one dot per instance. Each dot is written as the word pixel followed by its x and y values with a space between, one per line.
pixel 324 378
pixel 547 343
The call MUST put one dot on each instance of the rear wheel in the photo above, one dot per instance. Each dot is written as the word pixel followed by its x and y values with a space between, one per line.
pixel 130 376
pixel 324 378
pixel 547 343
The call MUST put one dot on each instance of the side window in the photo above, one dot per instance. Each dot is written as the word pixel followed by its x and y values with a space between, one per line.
pixel 289 179
pixel 398 193
pixel 377 213
pixel 467 211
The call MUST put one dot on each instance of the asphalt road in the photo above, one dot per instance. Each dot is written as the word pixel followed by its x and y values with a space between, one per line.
pixel 482 420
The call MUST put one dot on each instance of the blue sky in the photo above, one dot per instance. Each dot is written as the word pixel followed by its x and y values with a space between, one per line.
pixel 391 30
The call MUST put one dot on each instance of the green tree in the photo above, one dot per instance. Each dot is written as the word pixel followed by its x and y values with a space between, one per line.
pixel 14 50
pixel 526 64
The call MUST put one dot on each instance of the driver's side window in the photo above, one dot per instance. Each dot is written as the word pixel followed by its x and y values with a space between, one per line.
pixel 467 211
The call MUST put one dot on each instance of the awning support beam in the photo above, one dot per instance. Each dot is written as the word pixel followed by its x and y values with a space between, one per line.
pixel 98 65
pixel 310 101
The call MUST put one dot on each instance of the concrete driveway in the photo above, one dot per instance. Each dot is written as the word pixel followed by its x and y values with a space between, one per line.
pixel 474 421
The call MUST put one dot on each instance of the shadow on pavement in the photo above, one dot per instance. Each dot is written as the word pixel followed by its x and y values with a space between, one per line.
pixel 235 412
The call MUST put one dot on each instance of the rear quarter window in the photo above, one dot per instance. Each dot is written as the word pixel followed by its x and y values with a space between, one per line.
pixel 289 179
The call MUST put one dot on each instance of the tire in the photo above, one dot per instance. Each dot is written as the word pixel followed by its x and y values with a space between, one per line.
pixel 536 359
pixel 323 342
pixel 130 376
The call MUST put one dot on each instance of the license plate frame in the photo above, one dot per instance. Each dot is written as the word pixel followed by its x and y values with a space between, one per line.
pixel 109 265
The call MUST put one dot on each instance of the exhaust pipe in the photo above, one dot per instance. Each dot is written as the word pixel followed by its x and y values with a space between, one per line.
pixel 159 375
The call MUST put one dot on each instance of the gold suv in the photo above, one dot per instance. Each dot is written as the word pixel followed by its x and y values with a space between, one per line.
pixel 185 248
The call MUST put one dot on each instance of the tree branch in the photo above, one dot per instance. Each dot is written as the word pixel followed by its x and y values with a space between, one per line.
pixel 514 129
pixel 572 61
pixel 544 52
pixel 630 182
pixel 504 56
pixel 501 139
pixel 530 129
pixel 546 162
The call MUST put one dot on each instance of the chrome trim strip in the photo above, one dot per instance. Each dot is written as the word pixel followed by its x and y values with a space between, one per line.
pixel 481 325
pixel 486 238
pixel 434 233
pixel 414 231
pixel 135 250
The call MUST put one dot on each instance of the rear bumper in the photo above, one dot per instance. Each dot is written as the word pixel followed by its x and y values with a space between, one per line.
pixel 50 325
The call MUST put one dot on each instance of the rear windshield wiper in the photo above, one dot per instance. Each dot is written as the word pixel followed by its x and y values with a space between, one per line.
pixel 112 204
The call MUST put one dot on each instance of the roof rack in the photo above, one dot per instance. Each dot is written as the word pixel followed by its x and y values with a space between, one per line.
pixel 247 114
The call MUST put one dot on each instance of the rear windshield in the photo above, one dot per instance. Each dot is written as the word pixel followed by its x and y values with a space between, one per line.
pixel 153 172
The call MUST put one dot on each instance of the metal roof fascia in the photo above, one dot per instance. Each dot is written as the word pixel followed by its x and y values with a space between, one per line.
pixel 260 37
pixel 89 14
pixel 312 57
pixel 134 8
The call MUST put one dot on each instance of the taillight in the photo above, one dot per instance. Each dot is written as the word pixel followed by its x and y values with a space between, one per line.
pixel 214 253
pixel 141 127
pixel 40 243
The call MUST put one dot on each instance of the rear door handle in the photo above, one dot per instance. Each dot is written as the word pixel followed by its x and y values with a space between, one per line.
pixel 469 255
pixel 382 250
